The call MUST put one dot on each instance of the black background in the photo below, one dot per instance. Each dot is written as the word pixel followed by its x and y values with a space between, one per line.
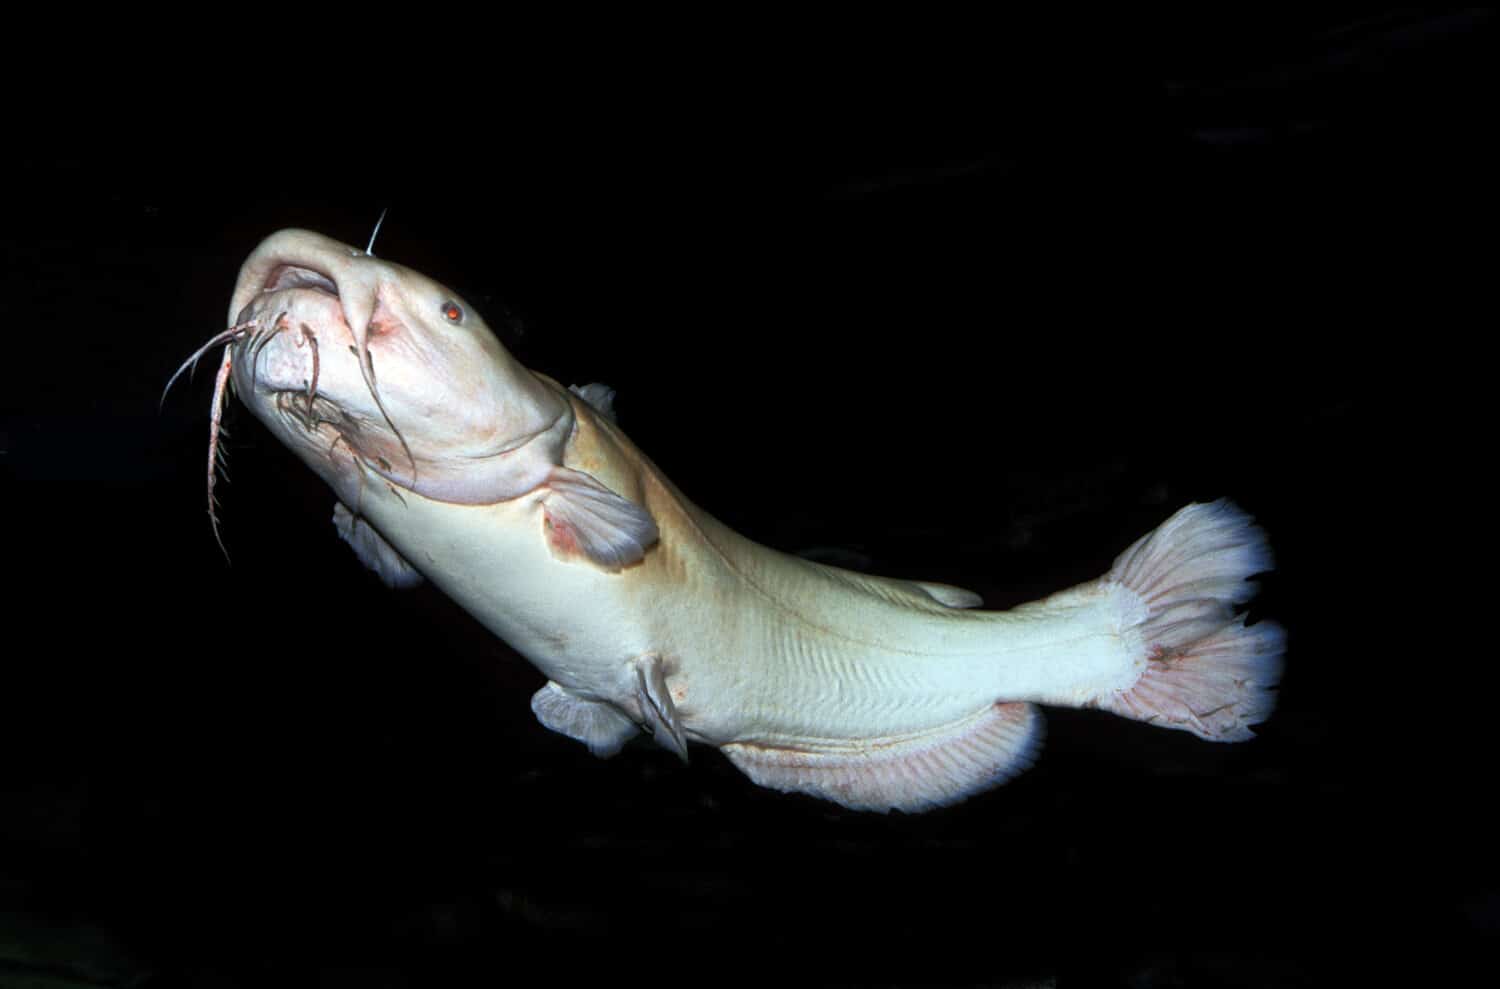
pixel 974 313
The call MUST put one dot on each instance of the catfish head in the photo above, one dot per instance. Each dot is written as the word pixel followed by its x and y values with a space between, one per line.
pixel 369 370
pixel 359 364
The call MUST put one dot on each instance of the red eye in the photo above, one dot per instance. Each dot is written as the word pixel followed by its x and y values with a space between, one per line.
pixel 453 312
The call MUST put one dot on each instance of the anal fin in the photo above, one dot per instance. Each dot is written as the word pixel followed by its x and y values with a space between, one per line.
pixel 600 726
pixel 910 773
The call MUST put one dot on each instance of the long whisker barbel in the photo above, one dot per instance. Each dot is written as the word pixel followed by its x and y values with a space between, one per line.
pixel 312 387
pixel 215 429
pixel 367 369
pixel 222 383
pixel 231 335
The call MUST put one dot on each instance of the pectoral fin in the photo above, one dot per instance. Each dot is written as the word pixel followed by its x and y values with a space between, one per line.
pixel 372 549
pixel 657 706
pixel 600 726
pixel 585 519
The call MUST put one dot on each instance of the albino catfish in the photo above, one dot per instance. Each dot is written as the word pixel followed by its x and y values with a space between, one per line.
pixel 523 501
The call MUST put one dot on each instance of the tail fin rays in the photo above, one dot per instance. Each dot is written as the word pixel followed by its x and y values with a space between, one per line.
pixel 1207 671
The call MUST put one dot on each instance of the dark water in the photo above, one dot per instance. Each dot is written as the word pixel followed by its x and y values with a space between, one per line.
pixel 987 338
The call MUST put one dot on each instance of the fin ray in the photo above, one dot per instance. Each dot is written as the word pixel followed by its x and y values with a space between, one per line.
pixel 1206 672
pixel 584 518
pixel 657 706
pixel 910 773
pixel 600 726
pixel 372 549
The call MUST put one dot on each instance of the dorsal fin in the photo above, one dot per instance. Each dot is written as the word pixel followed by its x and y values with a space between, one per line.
pixel 601 398
pixel 950 596
pixel 920 593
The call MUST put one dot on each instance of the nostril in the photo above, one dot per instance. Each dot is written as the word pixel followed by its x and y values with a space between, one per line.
pixel 383 322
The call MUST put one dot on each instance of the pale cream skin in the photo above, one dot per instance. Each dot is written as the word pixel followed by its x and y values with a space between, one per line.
pixel 527 505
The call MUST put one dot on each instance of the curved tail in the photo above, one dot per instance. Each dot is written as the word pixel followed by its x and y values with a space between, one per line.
pixel 1206 671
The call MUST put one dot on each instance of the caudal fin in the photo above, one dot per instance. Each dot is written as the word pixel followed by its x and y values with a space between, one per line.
pixel 1207 671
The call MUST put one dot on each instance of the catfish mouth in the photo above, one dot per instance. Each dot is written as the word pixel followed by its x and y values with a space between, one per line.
pixel 292 276
pixel 290 279
pixel 285 289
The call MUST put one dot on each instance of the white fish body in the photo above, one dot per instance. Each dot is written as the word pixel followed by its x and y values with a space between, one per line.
pixel 526 504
